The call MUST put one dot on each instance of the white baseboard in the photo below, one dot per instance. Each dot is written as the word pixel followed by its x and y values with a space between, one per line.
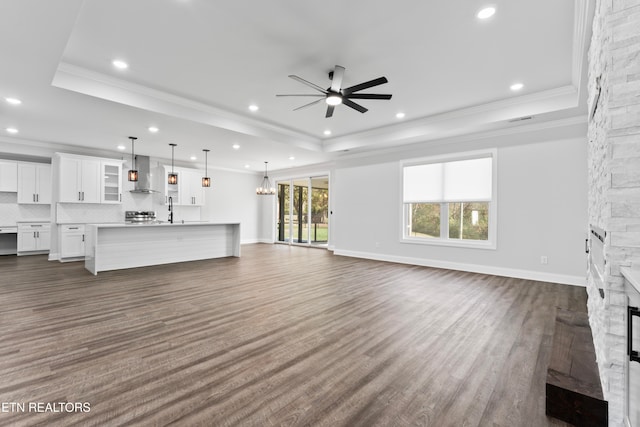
pixel 249 241
pixel 268 241
pixel 473 268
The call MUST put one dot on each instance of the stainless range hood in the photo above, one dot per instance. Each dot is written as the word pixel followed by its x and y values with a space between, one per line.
pixel 144 183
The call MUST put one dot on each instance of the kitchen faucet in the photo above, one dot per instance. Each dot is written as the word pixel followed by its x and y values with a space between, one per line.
pixel 170 210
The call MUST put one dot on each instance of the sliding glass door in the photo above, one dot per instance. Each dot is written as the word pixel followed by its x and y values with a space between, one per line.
pixel 319 219
pixel 303 211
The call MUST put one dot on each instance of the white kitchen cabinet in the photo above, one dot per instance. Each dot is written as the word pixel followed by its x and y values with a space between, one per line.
pixel 111 187
pixel 79 180
pixel 34 183
pixel 191 190
pixel 71 241
pixel 168 190
pixel 34 237
pixel 187 192
pixel 8 176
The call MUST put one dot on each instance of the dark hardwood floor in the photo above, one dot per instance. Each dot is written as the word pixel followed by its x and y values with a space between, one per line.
pixel 282 336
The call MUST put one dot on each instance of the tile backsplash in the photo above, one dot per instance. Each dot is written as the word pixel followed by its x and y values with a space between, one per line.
pixel 11 212
pixel 69 213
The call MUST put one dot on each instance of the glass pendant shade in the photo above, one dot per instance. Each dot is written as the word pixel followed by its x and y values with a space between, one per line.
pixel 265 188
pixel 172 178
pixel 133 173
pixel 206 181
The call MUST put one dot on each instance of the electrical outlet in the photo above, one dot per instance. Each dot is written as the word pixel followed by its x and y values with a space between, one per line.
pixel 544 259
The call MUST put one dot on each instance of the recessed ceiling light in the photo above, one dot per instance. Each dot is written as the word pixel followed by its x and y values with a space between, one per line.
pixel 400 115
pixel 121 147
pixel 253 107
pixel 327 132
pixel 236 146
pixel 12 130
pixel 120 64
pixel 153 129
pixel 516 87
pixel 13 101
pixel 193 158
pixel 291 158
pixel 486 12
pixel 247 166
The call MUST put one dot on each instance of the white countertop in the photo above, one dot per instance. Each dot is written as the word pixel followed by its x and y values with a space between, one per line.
pixel 163 224
pixel 632 275
pixel 33 220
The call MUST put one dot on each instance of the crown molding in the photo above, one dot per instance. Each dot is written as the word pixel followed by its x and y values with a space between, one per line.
pixel 88 82
pixel 463 121
pixel 562 129
pixel 582 28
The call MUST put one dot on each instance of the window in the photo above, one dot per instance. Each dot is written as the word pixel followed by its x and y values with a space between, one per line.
pixel 450 201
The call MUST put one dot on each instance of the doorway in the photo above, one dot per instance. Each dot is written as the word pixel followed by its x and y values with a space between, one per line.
pixel 303 211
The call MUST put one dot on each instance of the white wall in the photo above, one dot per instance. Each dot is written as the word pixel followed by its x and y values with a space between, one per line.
pixel 232 197
pixel 542 204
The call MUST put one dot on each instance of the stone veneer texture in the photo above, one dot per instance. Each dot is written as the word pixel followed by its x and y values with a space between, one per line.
pixel 614 181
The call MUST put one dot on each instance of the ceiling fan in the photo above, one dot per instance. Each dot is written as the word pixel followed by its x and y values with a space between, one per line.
pixel 335 95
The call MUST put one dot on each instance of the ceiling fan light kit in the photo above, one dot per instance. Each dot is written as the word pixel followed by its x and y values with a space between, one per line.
pixel 334 99
pixel 335 95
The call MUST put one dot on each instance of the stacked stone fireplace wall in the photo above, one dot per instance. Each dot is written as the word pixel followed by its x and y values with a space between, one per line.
pixel 614 181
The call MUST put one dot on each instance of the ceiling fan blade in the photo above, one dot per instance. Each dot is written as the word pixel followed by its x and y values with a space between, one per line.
pixel 305 94
pixel 365 85
pixel 307 105
pixel 353 105
pixel 336 80
pixel 304 82
pixel 368 96
pixel 330 109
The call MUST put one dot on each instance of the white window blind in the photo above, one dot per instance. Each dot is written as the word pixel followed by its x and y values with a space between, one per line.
pixel 462 180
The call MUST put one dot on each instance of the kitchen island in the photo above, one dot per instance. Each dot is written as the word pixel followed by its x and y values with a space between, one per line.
pixel 119 246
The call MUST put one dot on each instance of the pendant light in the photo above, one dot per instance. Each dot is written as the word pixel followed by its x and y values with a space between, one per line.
pixel 265 188
pixel 133 173
pixel 173 177
pixel 206 181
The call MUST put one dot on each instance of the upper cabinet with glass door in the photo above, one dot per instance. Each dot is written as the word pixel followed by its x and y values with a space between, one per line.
pixel 187 192
pixel 168 190
pixel 111 188
pixel 85 179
